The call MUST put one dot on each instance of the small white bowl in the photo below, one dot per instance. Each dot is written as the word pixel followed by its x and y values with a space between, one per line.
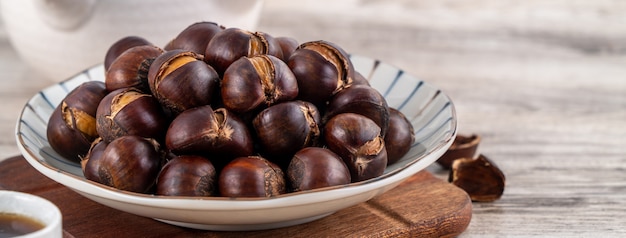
pixel 430 111
pixel 33 207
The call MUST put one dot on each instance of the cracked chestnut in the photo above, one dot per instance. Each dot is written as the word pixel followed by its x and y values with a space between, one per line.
pixel 285 128
pixel 72 126
pixel 181 80
pixel 257 82
pixel 322 69
pixel 357 140
pixel 128 111
pixel 229 45
pixel 217 134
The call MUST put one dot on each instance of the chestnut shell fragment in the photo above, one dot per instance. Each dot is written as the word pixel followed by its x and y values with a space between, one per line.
pixel 480 178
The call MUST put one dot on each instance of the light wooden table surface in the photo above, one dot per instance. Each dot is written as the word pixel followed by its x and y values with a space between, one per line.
pixel 543 82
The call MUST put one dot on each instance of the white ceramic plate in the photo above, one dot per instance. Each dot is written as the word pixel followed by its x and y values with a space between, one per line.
pixel 430 111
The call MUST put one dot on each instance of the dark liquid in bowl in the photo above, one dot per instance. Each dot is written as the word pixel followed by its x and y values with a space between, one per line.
pixel 14 225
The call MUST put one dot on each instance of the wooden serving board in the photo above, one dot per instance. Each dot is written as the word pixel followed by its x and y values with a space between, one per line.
pixel 423 206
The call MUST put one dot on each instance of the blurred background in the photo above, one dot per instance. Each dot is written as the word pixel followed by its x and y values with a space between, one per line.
pixel 542 81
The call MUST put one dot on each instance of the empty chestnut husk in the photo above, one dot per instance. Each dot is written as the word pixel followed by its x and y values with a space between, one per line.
pixel 315 167
pixel 187 175
pixel 128 111
pixel 463 146
pixel 322 69
pixel 257 82
pixel 72 126
pixel 130 163
pixel 480 178
pixel 363 100
pixel 117 48
pixel 217 134
pixel 357 140
pixel 399 137
pixel 195 37
pixel 181 80
pixel 285 128
pixel 131 68
pixel 251 176
pixel 229 45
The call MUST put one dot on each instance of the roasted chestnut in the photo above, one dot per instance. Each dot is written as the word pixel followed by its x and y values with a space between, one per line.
pixel 217 134
pixel 130 69
pixel 233 43
pixel 251 176
pixel 72 125
pixel 322 69
pixel 195 37
pixel 130 163
pixel 360 99
pixel 257 82
pixel 288 45
pixel 128 111
pixel 187 175
pixel 117 48
pixel 400 136
pixel 480 178
pixel 315 167
pixel 357 140
pixel 285 128
pixel 90 164
pixel 181 80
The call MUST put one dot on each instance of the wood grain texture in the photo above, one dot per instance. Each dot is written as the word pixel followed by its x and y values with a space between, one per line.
pixel 423 206
pixel 541 81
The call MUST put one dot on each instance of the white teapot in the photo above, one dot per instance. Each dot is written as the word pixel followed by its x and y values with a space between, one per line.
pixel 59 38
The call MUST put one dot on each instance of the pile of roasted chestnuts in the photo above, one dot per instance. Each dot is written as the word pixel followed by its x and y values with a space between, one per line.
pixel 228 112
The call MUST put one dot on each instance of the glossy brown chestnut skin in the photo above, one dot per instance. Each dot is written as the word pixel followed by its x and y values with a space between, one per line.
pixel 117 48
pixel 130 163
pixel 195 37
pixel 128 111
pixel 187 175
pixel 360 99
pixel 90 164
pixel 357 140
pixel 285 128
pixel 251 176
pixel 215 134
pixel 256 82
pixel 181 80
pixel 400 136
pixel 322 69
pixel 233 43
pixel 72 125
pixel 288 45
pixel 359 79
pixel 315 167
pixel 130 69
